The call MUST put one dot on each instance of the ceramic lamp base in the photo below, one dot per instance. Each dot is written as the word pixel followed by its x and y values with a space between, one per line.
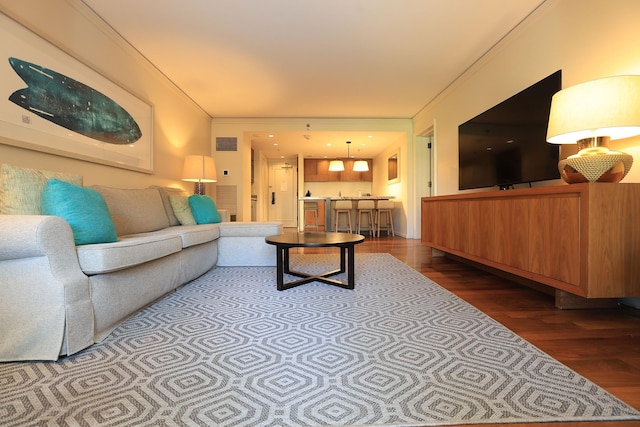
pixel 595 166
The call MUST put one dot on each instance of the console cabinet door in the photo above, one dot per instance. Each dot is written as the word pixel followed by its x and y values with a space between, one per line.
pixel 512 233
pixel 445 224
pixel 555 247
pixel 481 228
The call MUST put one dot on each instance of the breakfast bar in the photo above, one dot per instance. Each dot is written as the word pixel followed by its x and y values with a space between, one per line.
pixel 325 208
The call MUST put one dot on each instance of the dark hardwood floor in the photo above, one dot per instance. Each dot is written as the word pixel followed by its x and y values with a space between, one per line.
pixel 601 344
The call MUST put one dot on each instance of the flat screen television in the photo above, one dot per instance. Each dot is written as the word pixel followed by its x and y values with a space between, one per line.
pixel 506 145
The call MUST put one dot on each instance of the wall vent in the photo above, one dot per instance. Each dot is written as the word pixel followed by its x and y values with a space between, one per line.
pixel 226 143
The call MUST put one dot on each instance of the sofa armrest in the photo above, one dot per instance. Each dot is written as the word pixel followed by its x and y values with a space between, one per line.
pixel 242 244
pixel 45 305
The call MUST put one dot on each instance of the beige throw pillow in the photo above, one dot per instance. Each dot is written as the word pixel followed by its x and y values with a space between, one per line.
pixel 21 188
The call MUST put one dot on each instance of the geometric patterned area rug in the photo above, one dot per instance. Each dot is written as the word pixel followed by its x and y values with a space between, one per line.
pixel 228 349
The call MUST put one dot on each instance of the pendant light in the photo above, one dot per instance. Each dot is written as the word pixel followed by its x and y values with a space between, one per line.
pixel 336 165
pixel 358 165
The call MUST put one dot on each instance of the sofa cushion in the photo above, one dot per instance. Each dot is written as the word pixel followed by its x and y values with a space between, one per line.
pixel 127 252
pixel 250 229
pixel 83 208
pixel 181 208
pixel 134 210
pixel 165 192
pixel 204 209
pixel 242 244
pixel 21 188
pixel 192 235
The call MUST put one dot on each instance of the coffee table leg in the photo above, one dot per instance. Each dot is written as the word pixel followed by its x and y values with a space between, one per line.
pixel 279 267
pixel 351 282
pixel 286 259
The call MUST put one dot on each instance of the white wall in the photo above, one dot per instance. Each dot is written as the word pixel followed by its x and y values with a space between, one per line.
pixel 587 39
pixel 180 127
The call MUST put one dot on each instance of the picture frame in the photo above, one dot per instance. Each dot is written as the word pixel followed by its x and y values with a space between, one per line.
pixel 30 126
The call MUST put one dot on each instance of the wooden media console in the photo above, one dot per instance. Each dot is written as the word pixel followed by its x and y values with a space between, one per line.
pixel 583 240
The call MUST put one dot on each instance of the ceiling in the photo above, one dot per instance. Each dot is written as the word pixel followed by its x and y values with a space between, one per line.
pixel 314 58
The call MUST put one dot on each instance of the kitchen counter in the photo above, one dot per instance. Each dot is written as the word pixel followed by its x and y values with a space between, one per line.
pixel 334 198
pixel 361 198
pixel 328 208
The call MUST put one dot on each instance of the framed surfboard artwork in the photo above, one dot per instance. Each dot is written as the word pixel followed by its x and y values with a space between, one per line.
pixel 51 102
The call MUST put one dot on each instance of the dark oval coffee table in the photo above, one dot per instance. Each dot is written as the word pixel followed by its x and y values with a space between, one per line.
pixel 345 241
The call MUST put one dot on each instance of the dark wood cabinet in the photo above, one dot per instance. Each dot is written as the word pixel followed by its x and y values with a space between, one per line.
pixel 317 170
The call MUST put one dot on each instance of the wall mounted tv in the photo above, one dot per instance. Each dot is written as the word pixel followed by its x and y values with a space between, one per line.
pixel 506 145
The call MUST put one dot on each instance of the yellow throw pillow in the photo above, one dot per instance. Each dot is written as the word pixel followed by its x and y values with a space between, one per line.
pixel 181 208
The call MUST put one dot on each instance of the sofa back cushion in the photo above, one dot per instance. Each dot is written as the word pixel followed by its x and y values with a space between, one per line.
pixel 21 188
pixel 134 210
pixel 165 192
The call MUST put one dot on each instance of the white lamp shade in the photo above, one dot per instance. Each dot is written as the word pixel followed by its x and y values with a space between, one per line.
pixel 199 169
pixel 604 107
pixel 336 165
pixel 360 166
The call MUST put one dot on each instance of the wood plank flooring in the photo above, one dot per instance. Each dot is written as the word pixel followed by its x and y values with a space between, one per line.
pixel 600 344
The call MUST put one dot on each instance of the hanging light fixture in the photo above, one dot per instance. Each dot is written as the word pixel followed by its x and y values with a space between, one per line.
pixel 358 165
pixel 336 165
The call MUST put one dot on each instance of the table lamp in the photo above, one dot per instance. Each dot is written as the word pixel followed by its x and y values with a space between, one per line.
pixel 200 170
pixel 591 114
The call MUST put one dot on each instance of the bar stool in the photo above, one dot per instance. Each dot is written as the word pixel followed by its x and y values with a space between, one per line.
pixel 385 209
pixel 311 209
pixel 365 209
pixel 343 207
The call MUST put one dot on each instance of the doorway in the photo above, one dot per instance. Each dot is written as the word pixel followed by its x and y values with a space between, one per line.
pixel 424 157
pixel 283 192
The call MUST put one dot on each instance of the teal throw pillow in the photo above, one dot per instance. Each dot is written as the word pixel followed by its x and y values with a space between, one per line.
pixel 204 209
pixel 83 208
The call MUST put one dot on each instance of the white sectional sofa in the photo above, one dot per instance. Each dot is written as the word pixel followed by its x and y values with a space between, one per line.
pixel 57 298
